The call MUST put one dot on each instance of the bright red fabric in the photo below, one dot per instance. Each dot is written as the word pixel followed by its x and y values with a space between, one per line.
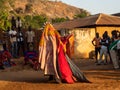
pixel 64 67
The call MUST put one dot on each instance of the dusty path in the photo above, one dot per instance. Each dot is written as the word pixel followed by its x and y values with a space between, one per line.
pixel 20 77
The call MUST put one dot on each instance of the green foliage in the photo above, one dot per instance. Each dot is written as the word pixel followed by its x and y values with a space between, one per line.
pixel 2 5
pixel 57 20
pixel 81 15
pixel 4 22
pixel 11 2
pixel 34 21
pixel 39 20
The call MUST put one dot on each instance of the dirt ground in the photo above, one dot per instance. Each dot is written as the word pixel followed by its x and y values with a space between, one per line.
pixel 19 77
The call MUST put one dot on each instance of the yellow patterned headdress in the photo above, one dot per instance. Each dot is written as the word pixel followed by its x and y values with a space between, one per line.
pixel 48 30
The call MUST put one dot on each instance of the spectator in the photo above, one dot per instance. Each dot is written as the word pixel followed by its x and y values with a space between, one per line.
pixel 20 41
pixel 114 48
pixel 109 41
pixel 6 56
pixel 30 35
pixel 96 43
pixel 18 23
pixel 114 36
pixel 103 51
pixel 13 40
pixel 13 22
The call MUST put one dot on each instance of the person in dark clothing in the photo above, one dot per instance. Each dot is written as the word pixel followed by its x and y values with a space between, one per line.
pixel 20 41
pixel 13 22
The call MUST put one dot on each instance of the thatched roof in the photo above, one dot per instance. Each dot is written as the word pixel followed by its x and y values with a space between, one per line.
pixel 93 20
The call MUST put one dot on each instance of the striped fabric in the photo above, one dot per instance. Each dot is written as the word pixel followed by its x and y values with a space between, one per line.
pixel 113 46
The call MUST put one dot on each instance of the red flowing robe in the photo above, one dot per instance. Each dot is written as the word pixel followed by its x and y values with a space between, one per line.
pixel 66 73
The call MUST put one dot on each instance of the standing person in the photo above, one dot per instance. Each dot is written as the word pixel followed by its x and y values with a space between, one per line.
pixel 113 49
pixel 54 60
pixel 30 35
pixel 13 40
pixel 18 23
pixel 20 41
pixel 109 41
pixel 13 22
pixel 96 43
pixel 104 49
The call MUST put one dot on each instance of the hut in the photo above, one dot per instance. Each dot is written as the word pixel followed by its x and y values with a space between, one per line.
pixel 84 30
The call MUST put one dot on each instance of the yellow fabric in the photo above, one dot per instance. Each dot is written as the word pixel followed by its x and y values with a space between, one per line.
pixel 71 41
pixel 70 45
pixel 48 30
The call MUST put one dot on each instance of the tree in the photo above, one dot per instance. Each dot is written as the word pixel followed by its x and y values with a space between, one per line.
pixel 4 21
pixel 81 15
pixel 57 20
pixel 34 21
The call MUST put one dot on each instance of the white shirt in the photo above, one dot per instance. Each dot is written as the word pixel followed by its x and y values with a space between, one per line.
pixel 18 23
pixel 13 32
pixel 30 35
pixel 103 46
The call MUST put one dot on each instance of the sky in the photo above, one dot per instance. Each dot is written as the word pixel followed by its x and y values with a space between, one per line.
pixel 96 6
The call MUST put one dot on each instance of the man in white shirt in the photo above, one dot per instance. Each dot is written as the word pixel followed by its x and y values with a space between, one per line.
pixel 13 40
pixel 30 37
pixel 18 23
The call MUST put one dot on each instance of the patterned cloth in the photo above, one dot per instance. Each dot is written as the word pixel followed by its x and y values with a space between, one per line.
pixel 113 46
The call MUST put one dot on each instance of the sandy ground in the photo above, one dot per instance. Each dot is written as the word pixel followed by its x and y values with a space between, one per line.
pixel 103 77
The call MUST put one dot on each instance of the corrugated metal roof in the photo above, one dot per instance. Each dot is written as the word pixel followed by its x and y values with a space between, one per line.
pixel 93 20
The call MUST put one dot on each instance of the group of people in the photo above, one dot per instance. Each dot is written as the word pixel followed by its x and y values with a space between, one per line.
pixel 18 42
pixel 107 46
pixel 53 57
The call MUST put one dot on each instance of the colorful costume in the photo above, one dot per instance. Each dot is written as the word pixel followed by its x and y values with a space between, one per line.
pixel 53 58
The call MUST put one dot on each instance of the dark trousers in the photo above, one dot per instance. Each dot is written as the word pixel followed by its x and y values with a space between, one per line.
pixel 109 55
pixel 97 50
pixel 21 47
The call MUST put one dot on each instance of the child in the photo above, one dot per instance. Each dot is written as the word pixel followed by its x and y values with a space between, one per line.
pixel 6 56
pixel 31 57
